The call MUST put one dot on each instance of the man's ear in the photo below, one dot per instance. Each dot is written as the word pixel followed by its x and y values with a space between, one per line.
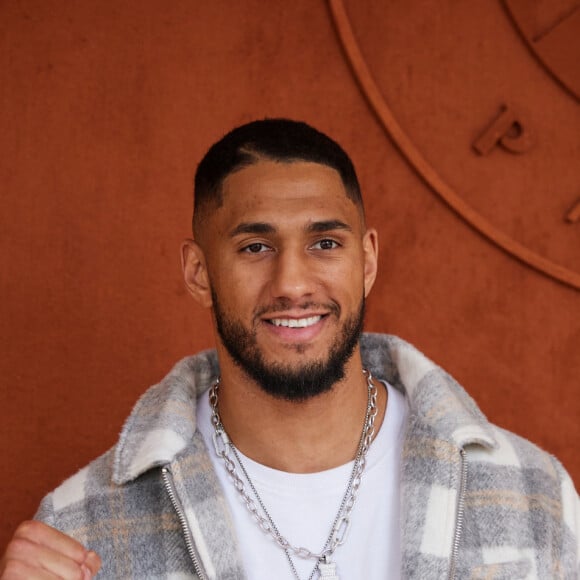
pixel 371 257
pixel 195 272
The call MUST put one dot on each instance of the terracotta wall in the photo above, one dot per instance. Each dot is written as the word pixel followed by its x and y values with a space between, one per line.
pixel 105 108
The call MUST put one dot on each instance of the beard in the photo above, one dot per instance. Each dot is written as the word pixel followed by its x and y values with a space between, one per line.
pixel 285 381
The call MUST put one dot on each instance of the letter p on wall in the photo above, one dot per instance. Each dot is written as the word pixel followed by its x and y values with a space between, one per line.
pixel 507 130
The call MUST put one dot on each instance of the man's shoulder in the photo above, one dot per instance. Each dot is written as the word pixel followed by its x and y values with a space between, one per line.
pixel 73 495
pixel 513 450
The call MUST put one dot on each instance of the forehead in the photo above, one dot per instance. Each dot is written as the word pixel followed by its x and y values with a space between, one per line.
pixel 270 190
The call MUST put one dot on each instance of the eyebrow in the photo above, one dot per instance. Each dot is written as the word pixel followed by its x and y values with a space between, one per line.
pixel 266 228
pixel 252 228
pixel 327 226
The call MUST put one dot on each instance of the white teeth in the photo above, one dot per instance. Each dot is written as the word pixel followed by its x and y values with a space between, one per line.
pixel 295 322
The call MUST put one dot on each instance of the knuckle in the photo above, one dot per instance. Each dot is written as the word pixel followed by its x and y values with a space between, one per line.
pixel 27 529
pixel 94 561
pixel 17 548
pixel 14 570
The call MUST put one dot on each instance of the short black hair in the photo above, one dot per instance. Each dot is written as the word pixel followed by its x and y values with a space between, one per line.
pixel 281 140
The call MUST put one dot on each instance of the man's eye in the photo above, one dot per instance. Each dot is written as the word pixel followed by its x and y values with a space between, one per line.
pixel 256 248
pixel 326 245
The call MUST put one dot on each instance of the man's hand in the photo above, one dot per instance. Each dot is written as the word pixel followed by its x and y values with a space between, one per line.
pixel 39 552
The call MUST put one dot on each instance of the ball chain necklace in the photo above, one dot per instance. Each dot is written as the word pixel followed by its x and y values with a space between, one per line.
pixel 324 565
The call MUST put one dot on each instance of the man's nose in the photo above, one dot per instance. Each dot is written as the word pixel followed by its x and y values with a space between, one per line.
pixel 293 276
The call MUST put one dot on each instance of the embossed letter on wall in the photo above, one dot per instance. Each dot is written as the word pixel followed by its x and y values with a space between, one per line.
pixel 507 130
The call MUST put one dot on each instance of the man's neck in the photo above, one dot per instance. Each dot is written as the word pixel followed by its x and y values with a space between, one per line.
pixel 299 437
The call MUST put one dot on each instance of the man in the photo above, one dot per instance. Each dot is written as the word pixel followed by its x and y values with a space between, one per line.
pixel 300 451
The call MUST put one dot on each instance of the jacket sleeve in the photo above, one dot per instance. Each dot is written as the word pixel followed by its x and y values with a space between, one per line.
pixel 571 521
pixel 45 512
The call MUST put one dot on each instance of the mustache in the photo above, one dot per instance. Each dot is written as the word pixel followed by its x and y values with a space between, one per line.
pixel 284 304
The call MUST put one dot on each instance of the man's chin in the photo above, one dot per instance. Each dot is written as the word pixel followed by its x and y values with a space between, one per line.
pixel 292 354
pixel 294 361
pixel 295 381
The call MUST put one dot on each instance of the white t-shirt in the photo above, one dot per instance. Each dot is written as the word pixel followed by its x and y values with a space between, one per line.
pixel 304 506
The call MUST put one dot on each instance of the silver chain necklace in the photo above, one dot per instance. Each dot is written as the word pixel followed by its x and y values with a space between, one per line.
pixel 324 566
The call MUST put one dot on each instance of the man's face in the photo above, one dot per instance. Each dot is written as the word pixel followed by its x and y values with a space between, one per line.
pixel 289 264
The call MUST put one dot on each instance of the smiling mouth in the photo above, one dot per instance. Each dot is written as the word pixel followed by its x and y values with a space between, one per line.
pixel 295 322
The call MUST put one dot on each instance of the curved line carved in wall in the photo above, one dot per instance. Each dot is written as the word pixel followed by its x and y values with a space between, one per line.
pixel 422 166
pixel 555 44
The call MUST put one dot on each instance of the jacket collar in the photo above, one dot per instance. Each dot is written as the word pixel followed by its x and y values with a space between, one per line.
pixel 435 399
pixel 163 421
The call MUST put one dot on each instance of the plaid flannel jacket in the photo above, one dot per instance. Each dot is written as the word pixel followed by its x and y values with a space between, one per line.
pixel 477 502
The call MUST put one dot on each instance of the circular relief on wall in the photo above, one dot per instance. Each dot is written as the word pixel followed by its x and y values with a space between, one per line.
pixel 479 120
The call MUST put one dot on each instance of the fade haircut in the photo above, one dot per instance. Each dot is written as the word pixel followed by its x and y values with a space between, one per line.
pixel 280 140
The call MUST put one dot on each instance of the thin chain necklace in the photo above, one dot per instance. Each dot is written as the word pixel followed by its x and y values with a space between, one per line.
pixel 324 565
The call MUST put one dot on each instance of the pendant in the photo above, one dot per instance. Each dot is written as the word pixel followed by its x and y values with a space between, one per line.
pixel 327 570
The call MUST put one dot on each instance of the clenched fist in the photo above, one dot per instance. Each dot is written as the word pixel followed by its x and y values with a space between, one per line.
pixel 39 552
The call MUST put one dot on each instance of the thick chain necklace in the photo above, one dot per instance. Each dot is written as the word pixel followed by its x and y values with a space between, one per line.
pixel 225 449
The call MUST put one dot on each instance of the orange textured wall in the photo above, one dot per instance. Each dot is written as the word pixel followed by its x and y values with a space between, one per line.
pixel 107 106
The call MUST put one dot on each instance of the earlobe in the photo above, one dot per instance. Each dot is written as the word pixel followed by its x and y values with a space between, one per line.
pixel 371 257
pixel 195 272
